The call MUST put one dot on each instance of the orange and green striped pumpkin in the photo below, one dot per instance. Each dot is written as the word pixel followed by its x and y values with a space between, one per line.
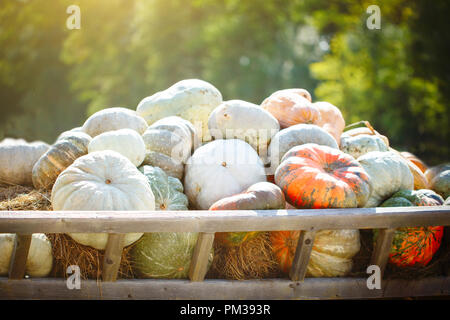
pixel 414 246
pixel 316 176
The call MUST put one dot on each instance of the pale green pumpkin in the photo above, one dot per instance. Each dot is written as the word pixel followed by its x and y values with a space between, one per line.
pixel 165 255
pixel 168 191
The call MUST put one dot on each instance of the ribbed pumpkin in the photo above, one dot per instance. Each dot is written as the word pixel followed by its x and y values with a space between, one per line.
pixel 165 255
pixel 102 181
pixel 169 143
pixel 314 176
pixel 60 155
pixel 331 255
pixel 260 196
pixel 290 107
pixel 168 191
pixel 389 173
pixel 414 246
pixel 297 135
pixel 17 158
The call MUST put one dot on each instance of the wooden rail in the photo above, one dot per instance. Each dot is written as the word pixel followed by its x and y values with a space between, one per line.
pixel 116 224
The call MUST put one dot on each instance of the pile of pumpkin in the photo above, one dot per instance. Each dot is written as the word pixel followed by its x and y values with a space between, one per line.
pixel 185 148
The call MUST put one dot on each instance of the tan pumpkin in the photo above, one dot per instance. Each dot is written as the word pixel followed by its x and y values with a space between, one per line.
pixel 17 158
pixel 60 155
pixel 290 107
pixel 331 119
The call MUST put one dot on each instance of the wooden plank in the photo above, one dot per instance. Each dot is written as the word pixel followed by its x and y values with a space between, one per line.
pixel 380 254
pixel 221 221
pixel 302 255
pixel 310 288
pixel 19 256
pixel 200 257
pixel 113 255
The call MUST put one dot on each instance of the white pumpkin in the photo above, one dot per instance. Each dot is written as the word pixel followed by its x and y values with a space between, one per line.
pixel 102 181
pixel 127 142
pixel 332 253
pixel 220 169
pixel 359 145
pixel 39 261
pixel 17 158
pixel 114 119
pixel 388 173
pixel 243 120
pixel 69 133
pixel 190 99
pixel 296 135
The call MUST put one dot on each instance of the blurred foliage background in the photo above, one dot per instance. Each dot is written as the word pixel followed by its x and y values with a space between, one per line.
pixel 398 77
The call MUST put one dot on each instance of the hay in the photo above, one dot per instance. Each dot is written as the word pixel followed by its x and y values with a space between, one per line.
pixel 251 260
pixel 19 198
pixel 66 251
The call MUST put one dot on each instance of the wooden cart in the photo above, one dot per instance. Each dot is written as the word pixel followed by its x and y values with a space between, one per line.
pixel 25 223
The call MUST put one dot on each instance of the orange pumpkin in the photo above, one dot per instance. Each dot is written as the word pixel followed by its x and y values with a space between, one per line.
pixel 331 119
pixel 284 244
pixel 411 157
pixel 291 106
pixel 315 176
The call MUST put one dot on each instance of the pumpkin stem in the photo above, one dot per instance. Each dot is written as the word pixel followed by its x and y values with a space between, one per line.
pixel 362 123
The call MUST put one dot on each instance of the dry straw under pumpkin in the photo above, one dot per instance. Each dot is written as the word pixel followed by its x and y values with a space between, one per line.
pixel 66 251
pixel 251 260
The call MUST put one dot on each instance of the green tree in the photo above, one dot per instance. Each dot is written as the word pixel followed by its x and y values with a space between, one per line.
pixel 36 103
